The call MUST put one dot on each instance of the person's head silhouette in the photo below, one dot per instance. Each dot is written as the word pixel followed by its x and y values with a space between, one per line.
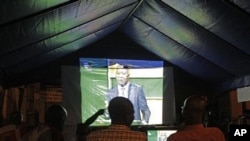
pixel 55 116
pixel 16 118
pixel 193 109
pixel 121 111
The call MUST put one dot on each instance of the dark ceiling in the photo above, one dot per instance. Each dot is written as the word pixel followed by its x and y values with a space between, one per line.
pixel 208 39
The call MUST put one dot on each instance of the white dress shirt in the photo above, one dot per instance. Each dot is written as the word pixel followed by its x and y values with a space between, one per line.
pixel 123 91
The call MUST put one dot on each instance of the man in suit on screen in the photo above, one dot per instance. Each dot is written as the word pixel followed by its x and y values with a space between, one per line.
pixel 133 92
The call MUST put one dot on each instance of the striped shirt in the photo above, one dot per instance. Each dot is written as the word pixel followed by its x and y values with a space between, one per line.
pixel 116 133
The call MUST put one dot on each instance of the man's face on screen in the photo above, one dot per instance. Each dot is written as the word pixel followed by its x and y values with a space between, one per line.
pixel 122 76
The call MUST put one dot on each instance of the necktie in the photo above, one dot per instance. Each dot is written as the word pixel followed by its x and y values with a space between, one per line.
pixel 123 91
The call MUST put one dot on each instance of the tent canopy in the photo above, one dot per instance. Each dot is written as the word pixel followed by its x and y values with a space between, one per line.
pixel 207 39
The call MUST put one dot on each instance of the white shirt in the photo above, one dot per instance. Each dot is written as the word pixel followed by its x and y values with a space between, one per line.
pixel 123 91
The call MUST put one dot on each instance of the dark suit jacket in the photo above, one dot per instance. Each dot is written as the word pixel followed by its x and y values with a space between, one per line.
pixel 137 97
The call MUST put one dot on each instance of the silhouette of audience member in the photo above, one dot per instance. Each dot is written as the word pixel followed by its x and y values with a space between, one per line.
pixel 16 118
pixel 14 130
pixel 122 114
pixel 193 128
pixel 82 129
pixel 52 129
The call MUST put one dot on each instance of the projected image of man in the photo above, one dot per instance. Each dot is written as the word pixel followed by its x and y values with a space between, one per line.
pixel 133 92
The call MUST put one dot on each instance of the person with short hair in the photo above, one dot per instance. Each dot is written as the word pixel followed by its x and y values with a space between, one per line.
pixel 15 129
pixel 122 114
pixel 193 128
pixel 51 130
